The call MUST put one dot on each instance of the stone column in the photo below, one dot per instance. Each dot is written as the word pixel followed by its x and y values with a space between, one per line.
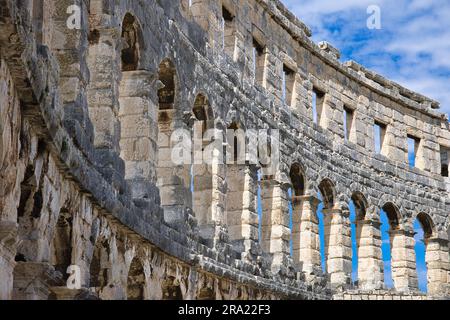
pixel 305 234
pixel 275 232
pixel 370 261
pixel 242 218
pixel 403 260
pixel 338 245
pixel 438 268
pixel 138 140
pixel 209 197
pixel 173 180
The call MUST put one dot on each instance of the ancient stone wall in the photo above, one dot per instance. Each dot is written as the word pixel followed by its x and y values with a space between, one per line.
pixel 88 117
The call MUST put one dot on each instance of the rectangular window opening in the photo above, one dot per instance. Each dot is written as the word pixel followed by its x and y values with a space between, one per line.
pixel 348 122
pixel 288 85
pixel 259 62
pixel 444 152
pixel 380 133
pixel 317 104
pixel 413 147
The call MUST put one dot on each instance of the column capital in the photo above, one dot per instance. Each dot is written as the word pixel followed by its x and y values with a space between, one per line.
pixel 333 211
pixel 370 222
pixel 306 198
pixel 404 232
pixel 440 241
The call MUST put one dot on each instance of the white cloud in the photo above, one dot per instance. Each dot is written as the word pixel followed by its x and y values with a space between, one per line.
pixel 412 48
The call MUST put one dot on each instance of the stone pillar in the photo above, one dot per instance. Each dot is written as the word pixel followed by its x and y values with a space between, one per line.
pixel 8 236
pixel 138 140
pixel 403 260
pixel 173 180
pixel 242 217
pixel 305 234
pixel 438 268
pixel 370 261
pixel 275 232
pixel 338 245
pixel 209 197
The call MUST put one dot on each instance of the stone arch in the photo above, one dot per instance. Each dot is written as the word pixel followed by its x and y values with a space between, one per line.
pixel 305 225
pixel 62 242
pixel 427 225
pixel 401 249
pixel 424 248
pixel 358 231
pixel 328 192
pixel 137 114
pixel 393 215
pixel 335 233
pixel 136 280
pixel 298 179
pixel 361 204
pixel 131 43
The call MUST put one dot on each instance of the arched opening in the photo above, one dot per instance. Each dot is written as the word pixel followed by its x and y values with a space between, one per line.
pixel 297 179
pixel 131 44
pixel 136 281
pixel 171 289
pixel 389 222
pixel 357 206
pixel 423 227
pixel 327 198
pixel 100 267
pixel 327 191
pixel 296 192
pixel 61 246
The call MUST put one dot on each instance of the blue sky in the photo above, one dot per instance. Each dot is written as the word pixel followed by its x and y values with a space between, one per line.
pixel 412 47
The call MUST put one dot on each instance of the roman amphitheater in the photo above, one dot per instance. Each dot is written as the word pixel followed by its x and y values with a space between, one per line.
pixel 87 116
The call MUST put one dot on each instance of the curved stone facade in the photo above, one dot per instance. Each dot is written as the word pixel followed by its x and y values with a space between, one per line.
pixel 87 115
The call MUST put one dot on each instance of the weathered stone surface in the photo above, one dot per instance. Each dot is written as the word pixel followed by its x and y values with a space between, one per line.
pixel 87 178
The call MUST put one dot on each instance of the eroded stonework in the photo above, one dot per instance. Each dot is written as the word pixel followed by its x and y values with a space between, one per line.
pixel 86 178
